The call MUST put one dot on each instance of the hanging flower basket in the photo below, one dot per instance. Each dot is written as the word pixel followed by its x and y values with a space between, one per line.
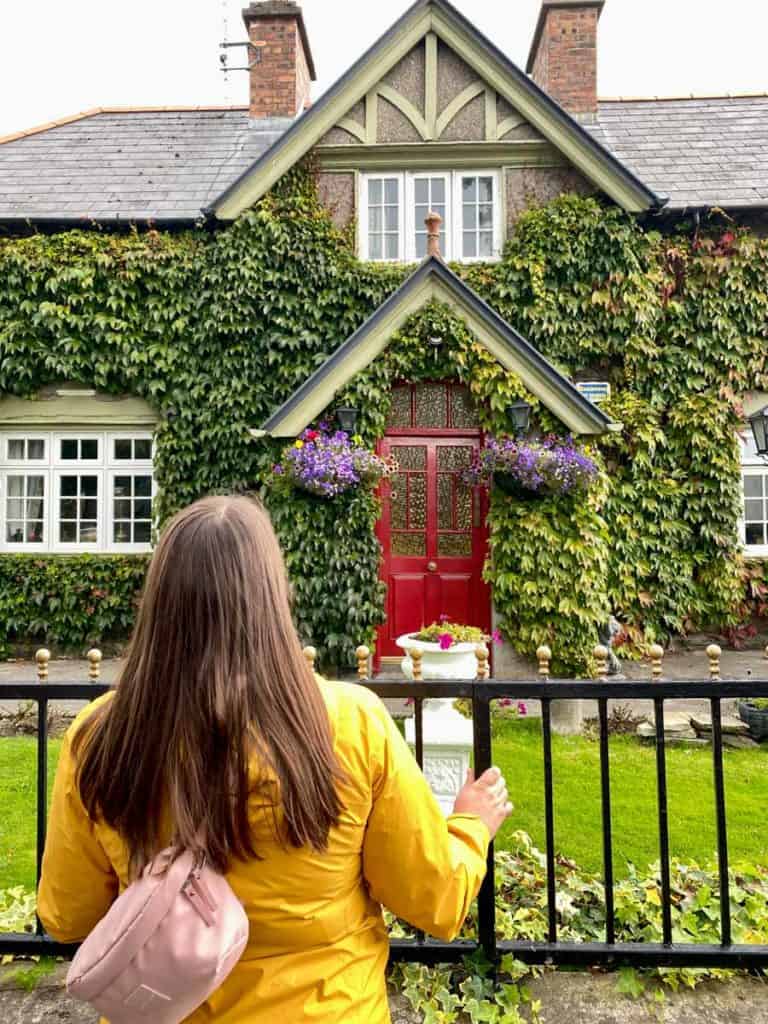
pixel 327 464
pixel 527 469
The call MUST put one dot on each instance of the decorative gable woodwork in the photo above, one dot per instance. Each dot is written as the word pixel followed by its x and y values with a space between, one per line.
pixel 430 95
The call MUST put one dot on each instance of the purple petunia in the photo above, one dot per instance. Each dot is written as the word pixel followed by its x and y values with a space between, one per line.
pixel 327 464
pixel 552 466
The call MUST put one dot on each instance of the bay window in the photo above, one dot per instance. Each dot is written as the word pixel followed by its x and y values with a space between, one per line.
pixel 76 491
pixel 394 205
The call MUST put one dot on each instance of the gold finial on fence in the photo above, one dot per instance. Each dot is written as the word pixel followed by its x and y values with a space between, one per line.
pixel 656 654
pixel 481 653
pixel 544 656
pixel 94 663
pixel 713 653
pixel 362 654
pixel 415 656
pixel 600 654
pixel 42 657
pixel 310 654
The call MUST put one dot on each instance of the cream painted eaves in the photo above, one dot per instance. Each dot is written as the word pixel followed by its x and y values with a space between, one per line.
pixel 434 18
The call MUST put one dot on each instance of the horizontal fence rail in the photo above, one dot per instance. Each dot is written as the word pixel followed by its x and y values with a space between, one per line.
pixel 482 693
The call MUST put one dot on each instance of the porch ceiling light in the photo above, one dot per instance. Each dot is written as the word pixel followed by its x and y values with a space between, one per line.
pixel 758 421
pixel 347 418
pixel 520 414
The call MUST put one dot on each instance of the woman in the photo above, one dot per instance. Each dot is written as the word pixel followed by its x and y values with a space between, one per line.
pixel 301 790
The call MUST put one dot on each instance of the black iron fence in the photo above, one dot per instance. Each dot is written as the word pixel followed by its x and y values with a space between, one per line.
pixel 481 694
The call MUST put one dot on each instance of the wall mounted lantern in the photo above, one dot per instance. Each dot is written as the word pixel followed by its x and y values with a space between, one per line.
pixel 758 421
pixel 519 413
pixel 347 418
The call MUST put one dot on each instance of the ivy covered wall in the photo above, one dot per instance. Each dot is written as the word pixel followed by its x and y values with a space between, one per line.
pixel 215 330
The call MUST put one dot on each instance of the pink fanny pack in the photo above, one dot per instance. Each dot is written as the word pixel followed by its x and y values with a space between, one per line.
pixel 164 946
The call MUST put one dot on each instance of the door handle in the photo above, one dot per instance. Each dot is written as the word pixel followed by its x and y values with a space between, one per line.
pixel 431 566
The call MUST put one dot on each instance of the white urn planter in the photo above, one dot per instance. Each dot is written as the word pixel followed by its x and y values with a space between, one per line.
pixel 447 734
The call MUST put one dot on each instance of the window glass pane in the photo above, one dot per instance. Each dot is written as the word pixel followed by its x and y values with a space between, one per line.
pixel 68 448
pixel 755 533
pixel 421 245
pixel 68 508
pixel 142 508
pixel 753 486
pixel 375 219
pixel 375 247
pixel 35 486
pixel 142 448
pixel 123 448
pixel 485 216
pixel 14 532
pixel 142 533
pixel 390 247
pixel 390 190
pixel 753 509
pixel 67 533
pixel 420 215
pixel 374 190
pixel 421 191
pixel 485 190
pixel 87 533
pixel 36 448
pixel 35 532
pixel 34 508
pixel 14 508
pixel 16 486
pixel 122 486
pixel 122 509
pixel 88 508
pixel 390 218
pixel 68 485
pixel 16 448
pixel 438 191
pixel 121 533
pixel 469 247
pixel 89 485
pixel 486 243
pixel 142 486
pixel 469 190
pixel 469 217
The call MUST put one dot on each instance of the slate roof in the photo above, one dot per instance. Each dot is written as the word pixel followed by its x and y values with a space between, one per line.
pixel 169 164
pixel 698 152
pixel 130 165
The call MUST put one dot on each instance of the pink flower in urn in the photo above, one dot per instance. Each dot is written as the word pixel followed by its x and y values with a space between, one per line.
pixel 445 640
pixel 443 618
pixel 521 708
pixel 505 702
pixel 496 636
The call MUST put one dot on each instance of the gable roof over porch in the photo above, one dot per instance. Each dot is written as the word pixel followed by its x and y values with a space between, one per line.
pixel 434 280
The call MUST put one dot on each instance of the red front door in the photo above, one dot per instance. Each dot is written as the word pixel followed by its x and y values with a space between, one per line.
pixel 433 536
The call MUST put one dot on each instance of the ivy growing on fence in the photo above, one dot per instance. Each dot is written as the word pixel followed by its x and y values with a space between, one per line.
pixel 215 330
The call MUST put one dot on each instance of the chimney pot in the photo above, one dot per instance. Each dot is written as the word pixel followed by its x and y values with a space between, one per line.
pixel 563 54
pixel 281 75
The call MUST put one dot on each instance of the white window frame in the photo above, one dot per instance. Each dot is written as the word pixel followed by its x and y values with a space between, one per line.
pixel 365 180
pixel 752 464
pixel 410 211
pixel 34 468
pixel 78 468
pixel 458 220
pixel 52 468
pixel 452 227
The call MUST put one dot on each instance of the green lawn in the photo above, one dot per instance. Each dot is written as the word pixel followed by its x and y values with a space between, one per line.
pixel 517 750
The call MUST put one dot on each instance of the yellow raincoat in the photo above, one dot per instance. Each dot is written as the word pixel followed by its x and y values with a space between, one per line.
pixel 318 946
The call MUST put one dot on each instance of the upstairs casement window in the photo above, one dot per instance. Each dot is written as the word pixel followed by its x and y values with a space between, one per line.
pixel 754 483
pixel 76 491
pixel 394 205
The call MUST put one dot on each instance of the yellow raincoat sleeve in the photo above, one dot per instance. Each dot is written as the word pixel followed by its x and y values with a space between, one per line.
pixel 423 867
pixel 78 883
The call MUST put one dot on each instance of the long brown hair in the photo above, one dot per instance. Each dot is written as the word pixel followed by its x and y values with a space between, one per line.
pixel 214 677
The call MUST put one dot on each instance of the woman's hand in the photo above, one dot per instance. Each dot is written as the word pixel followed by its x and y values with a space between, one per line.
pixel 486 797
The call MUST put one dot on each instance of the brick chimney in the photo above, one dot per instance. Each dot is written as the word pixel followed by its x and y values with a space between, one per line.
pixel 563 55
pixel 283 68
